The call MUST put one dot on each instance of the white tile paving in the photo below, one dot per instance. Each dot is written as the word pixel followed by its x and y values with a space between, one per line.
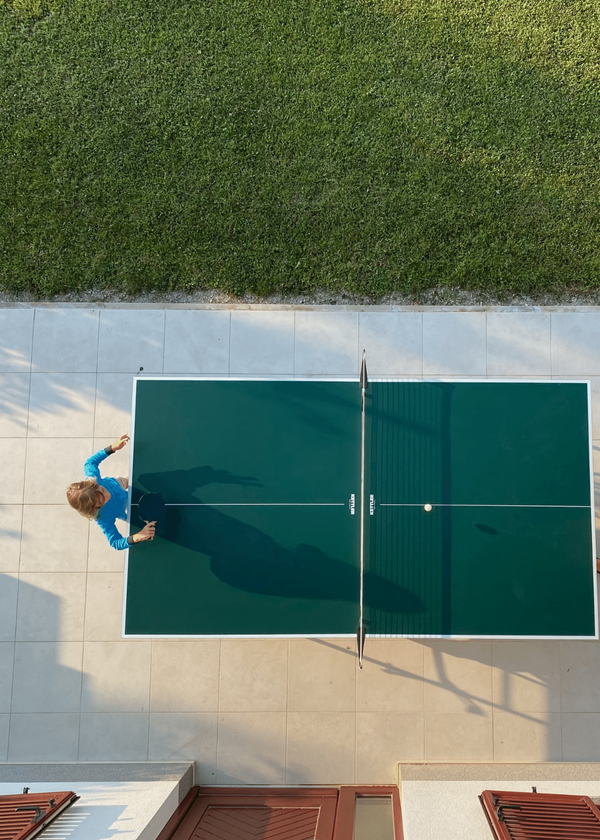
pixel 131 340
pixel 62 405
pixel 34 737
pixel 65 340
pixel 7 659
pixel 14 404
pixel 32 614
pixel 112 416
pixel 393 342
pixel 103 735
pixel 11 518
pixel 9 589
pixel 518 344
pixel 454 343
pixel 576 343
pixel 280 711
pixel 16 338
pixel 4 728
pixel 262 343
pixel 12 458
pixel 47 676
pixel 326 344
pixel 197 341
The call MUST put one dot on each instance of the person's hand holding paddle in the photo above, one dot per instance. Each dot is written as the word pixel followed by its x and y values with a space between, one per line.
pixel 147 533
pixel 151 510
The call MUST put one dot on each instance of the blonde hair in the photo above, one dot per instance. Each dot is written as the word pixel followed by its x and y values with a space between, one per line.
pixel 86 497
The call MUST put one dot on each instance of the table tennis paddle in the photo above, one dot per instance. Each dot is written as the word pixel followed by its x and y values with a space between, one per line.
pixel 151 508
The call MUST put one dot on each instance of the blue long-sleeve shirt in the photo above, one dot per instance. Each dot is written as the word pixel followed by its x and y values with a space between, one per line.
pixel 116 507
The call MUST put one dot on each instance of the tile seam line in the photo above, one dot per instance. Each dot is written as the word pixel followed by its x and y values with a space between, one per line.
pixel 551 346
pixel 287 709
pixel 306 307
pixel 229 347
pixel 486 346
pixel 218 703
pixel 149 712
pixel 293 374
pixel 87 559
pixel 164 344
pixel 12 684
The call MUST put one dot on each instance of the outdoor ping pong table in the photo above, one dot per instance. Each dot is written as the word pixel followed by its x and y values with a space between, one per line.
pixel 262 535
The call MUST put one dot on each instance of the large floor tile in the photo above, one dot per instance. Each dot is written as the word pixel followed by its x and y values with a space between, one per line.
pixel 16 339
pixel 458 736
pixel 262 342
pixel 384 738
pixel 185 737
pixel 581 737
pixel 393 342
pixel 114 396
pixel 321 748
pixel 12 458
pixel 113 737
pixel 580 676
pixel 54 539
pixel 43 737
pixel 253 676
pixel 197 341
pixel 576 343
pixel 103 607
pixel 7 659
pixel 458 676
pixel 14 404
pixel 62 405
pixel 9 591
pixel 185 675
pixel 251 748
pixel 131 341
pixel 47 677
pixel 116 677
pixel 4 729
pixel 51 607
pixel 11 517
pixel 65 340
pixel 322 676
pixel 53 464
pixel 526 676
pixel 518 344
pixel 528 736
pixel 454 343
pixel 327 344
pixel 392 677
pixel 101 557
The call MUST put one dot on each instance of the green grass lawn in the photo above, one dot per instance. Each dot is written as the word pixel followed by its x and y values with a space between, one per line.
pixel 290 146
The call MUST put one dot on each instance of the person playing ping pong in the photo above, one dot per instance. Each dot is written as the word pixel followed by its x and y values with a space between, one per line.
pixel 105 499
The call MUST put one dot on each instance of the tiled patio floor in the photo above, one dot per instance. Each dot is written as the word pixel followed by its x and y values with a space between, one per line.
pixel 272 711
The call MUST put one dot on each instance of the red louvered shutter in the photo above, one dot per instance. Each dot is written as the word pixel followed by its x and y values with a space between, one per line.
pixel 41 808
pixel 257 814
pixel 540 816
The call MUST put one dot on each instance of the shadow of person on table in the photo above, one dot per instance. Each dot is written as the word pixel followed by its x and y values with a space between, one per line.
pixel 247 558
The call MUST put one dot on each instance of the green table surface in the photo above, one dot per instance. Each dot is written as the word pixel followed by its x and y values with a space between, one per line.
pixel 260 539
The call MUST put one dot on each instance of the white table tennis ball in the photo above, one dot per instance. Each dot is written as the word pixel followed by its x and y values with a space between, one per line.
pixel 427 508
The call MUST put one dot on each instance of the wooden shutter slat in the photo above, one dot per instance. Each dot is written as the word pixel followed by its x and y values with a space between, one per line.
pixel 265 823
pixel 541 816
pixel 17 825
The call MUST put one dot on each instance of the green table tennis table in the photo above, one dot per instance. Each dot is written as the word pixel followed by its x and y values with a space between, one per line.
pixel 285 518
